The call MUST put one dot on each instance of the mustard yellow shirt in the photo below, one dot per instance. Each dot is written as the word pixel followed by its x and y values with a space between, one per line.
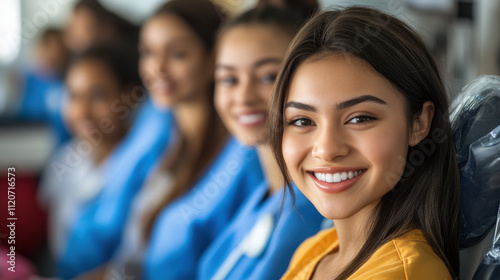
pixel 406 257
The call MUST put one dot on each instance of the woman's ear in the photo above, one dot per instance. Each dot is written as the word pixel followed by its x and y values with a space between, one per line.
pixel 422 124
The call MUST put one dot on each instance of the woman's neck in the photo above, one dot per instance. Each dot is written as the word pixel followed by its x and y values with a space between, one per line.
pixel 102 150
pixel 192 120
pixel 353 232
pixel 271 167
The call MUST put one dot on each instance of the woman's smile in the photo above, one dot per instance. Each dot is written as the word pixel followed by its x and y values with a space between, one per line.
pixel 336 181
pixel 251 119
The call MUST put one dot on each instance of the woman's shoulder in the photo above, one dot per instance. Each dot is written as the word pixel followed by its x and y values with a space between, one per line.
pixel 407 257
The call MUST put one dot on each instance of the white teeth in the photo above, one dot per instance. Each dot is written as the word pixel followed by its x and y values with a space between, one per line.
pixel 164 84
pixel 249 119
pixel 336 177
pixel 329 178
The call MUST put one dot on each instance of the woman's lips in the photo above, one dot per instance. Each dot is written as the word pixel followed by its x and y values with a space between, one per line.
pixel 335 181
pixel 164 87
pixel 86 126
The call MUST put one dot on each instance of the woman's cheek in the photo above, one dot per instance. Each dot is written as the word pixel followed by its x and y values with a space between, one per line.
pixel 294 152
pixel 221 102
pixel 387 152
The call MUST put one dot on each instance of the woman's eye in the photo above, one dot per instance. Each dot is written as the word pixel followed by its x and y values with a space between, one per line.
pixel 361 119
pixel 268 79
pixel 99 95
pixel 228 81
pixel 302 122
pixel 179 55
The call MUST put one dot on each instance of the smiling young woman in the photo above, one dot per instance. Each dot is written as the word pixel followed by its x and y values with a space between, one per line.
pixel 350 113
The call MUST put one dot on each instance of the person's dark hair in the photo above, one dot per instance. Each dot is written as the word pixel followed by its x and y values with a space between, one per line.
pixel 121 61
pixel 51 32
pixel 306 7
pixel 427 197
pixel 204 18
pixel 56 34
pixel 124 30
pixel 285 19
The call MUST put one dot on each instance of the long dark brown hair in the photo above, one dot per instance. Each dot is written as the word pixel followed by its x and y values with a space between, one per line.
pixel 427 197
pixel 188 164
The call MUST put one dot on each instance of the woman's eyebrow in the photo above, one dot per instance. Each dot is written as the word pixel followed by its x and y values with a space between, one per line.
pixel 260 63
pixel 222 66
pixel 300 106
pixel 359 99
pixel 269 60
pixel 340 106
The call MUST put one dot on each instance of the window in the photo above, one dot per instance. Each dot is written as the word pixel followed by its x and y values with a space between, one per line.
pixel 10 30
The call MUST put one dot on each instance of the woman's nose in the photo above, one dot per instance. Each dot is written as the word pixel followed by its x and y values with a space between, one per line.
pixel 157 65
pixel 330 144
pixel 246 93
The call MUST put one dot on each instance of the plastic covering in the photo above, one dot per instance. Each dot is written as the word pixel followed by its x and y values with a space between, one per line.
pixel 489 269
pixel 493 255
pixel 475 120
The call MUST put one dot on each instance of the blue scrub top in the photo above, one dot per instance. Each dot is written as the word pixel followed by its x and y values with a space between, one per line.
pixel 291 228
pixel 33 95
pixel 42 100
pixel 186 227
pixel 98 230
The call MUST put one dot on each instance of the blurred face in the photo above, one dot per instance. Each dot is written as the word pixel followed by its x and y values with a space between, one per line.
pixel 346 136
pixel 92 89
pixel 248 60
pixel 174 65
pixel 81 31
pixel 51 54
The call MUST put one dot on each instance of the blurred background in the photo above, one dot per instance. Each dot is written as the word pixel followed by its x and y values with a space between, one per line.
pixel 34 47
pixel 462 35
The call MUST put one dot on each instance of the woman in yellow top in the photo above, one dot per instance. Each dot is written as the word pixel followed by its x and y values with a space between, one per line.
pixel 359 121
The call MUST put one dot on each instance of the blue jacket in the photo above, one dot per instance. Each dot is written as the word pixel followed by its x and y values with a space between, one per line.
pixel 188 226
pixel 289 230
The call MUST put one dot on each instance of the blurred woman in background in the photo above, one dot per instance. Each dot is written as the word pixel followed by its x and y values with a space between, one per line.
pixel 206 174
pixel 41 87
pixel 96 79
pixel 260 241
